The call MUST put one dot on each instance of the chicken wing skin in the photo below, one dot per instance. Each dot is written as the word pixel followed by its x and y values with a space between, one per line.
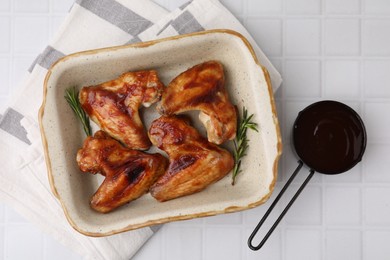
pixel 128 173
pixel 114 105
pixel 202 87
pixel 194 163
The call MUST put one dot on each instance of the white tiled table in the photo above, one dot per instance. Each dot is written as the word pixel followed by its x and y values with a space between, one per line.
pixel 325 49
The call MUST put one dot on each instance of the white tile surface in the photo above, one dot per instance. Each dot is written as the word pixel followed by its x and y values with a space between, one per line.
pixel 36 6
pixel 54 250
pixel 31 34
pixel 342 206
pixel 154 247
pixel 264 6
pixel 55 23
pixel 173 4
pixel 3 102
pixel 303 37
pixel 303 6
pixel 306 209
pixel 342 78
pixel 350 239
pixel 377 7
pixel 236 7
pixel 376 246
pixel 224 238
pixel 185 238
pixel 5 5
pixel 352 176
pixel 19 66
pixel 378 164
pixel 342 7
pixel 4 76
pixel 5 32
pixel 342 36
pixel 376 36
pixel 303 244
pixel 325 49
pixel 302 78
pixel 271 250
pixel 2 213
pixel 23 242
pixel 378 126
pixel 2 240
pixel 12 216
pixel 377 206
pixel 268 31
pixel 253 216
pixel 377 78
pixel 61 6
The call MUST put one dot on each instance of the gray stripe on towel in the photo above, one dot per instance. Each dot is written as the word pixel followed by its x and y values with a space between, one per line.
pixel 30 69
pixel 10 122
pixel 183 6
pixel 134 40
pixel 155 228
pixel 49 56
pixel 117 14
pixel 186 23
pixel 46 58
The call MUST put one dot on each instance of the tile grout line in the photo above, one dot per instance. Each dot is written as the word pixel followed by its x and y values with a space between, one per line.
pixel 35 14
pixel 333 57
pixel 50 16
pixel 328 15
pixel 10 74
pixel 244 8
pixel 5 227
pixel 244 18
pixel 363 112
pixel 11 49
pixel 283 124
pixel 163 244
pixel 323 95
pixel 204 234
pixel 44 247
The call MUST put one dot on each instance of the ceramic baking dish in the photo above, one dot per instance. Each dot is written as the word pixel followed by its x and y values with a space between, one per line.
pixel 248 84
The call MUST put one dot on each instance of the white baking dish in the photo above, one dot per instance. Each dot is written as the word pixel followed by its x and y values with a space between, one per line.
pixel 248 85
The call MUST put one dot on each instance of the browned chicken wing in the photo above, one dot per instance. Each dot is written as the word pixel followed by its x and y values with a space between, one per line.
pixel 202 87
pixel 114 105
pixel 128 173
pixel 194 163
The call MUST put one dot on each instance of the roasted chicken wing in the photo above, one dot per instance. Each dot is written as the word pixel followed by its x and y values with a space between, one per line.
pixel 114 105
pixel 128 173
pixel 194 163
pixel 202 87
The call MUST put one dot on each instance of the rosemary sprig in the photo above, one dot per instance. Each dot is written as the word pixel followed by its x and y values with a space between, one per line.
pixel 71 96
pixel 241 144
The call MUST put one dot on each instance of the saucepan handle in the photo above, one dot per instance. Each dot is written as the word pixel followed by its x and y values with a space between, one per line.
pixel 250 240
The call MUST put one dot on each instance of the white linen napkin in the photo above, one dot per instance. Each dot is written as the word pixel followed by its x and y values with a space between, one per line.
pixel 90 24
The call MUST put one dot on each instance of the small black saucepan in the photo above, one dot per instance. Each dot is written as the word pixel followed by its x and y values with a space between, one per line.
pixel 330 138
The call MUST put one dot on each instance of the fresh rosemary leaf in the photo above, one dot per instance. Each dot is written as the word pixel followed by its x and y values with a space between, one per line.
pixel 241 143
pixel 71 96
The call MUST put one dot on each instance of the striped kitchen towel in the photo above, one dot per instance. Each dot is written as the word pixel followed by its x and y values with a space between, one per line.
pixel 90 24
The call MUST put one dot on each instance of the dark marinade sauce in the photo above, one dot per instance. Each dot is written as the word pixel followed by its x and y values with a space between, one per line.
pixel 329 137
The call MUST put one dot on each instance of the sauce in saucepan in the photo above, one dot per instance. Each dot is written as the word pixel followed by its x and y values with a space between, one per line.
pixel 329 137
